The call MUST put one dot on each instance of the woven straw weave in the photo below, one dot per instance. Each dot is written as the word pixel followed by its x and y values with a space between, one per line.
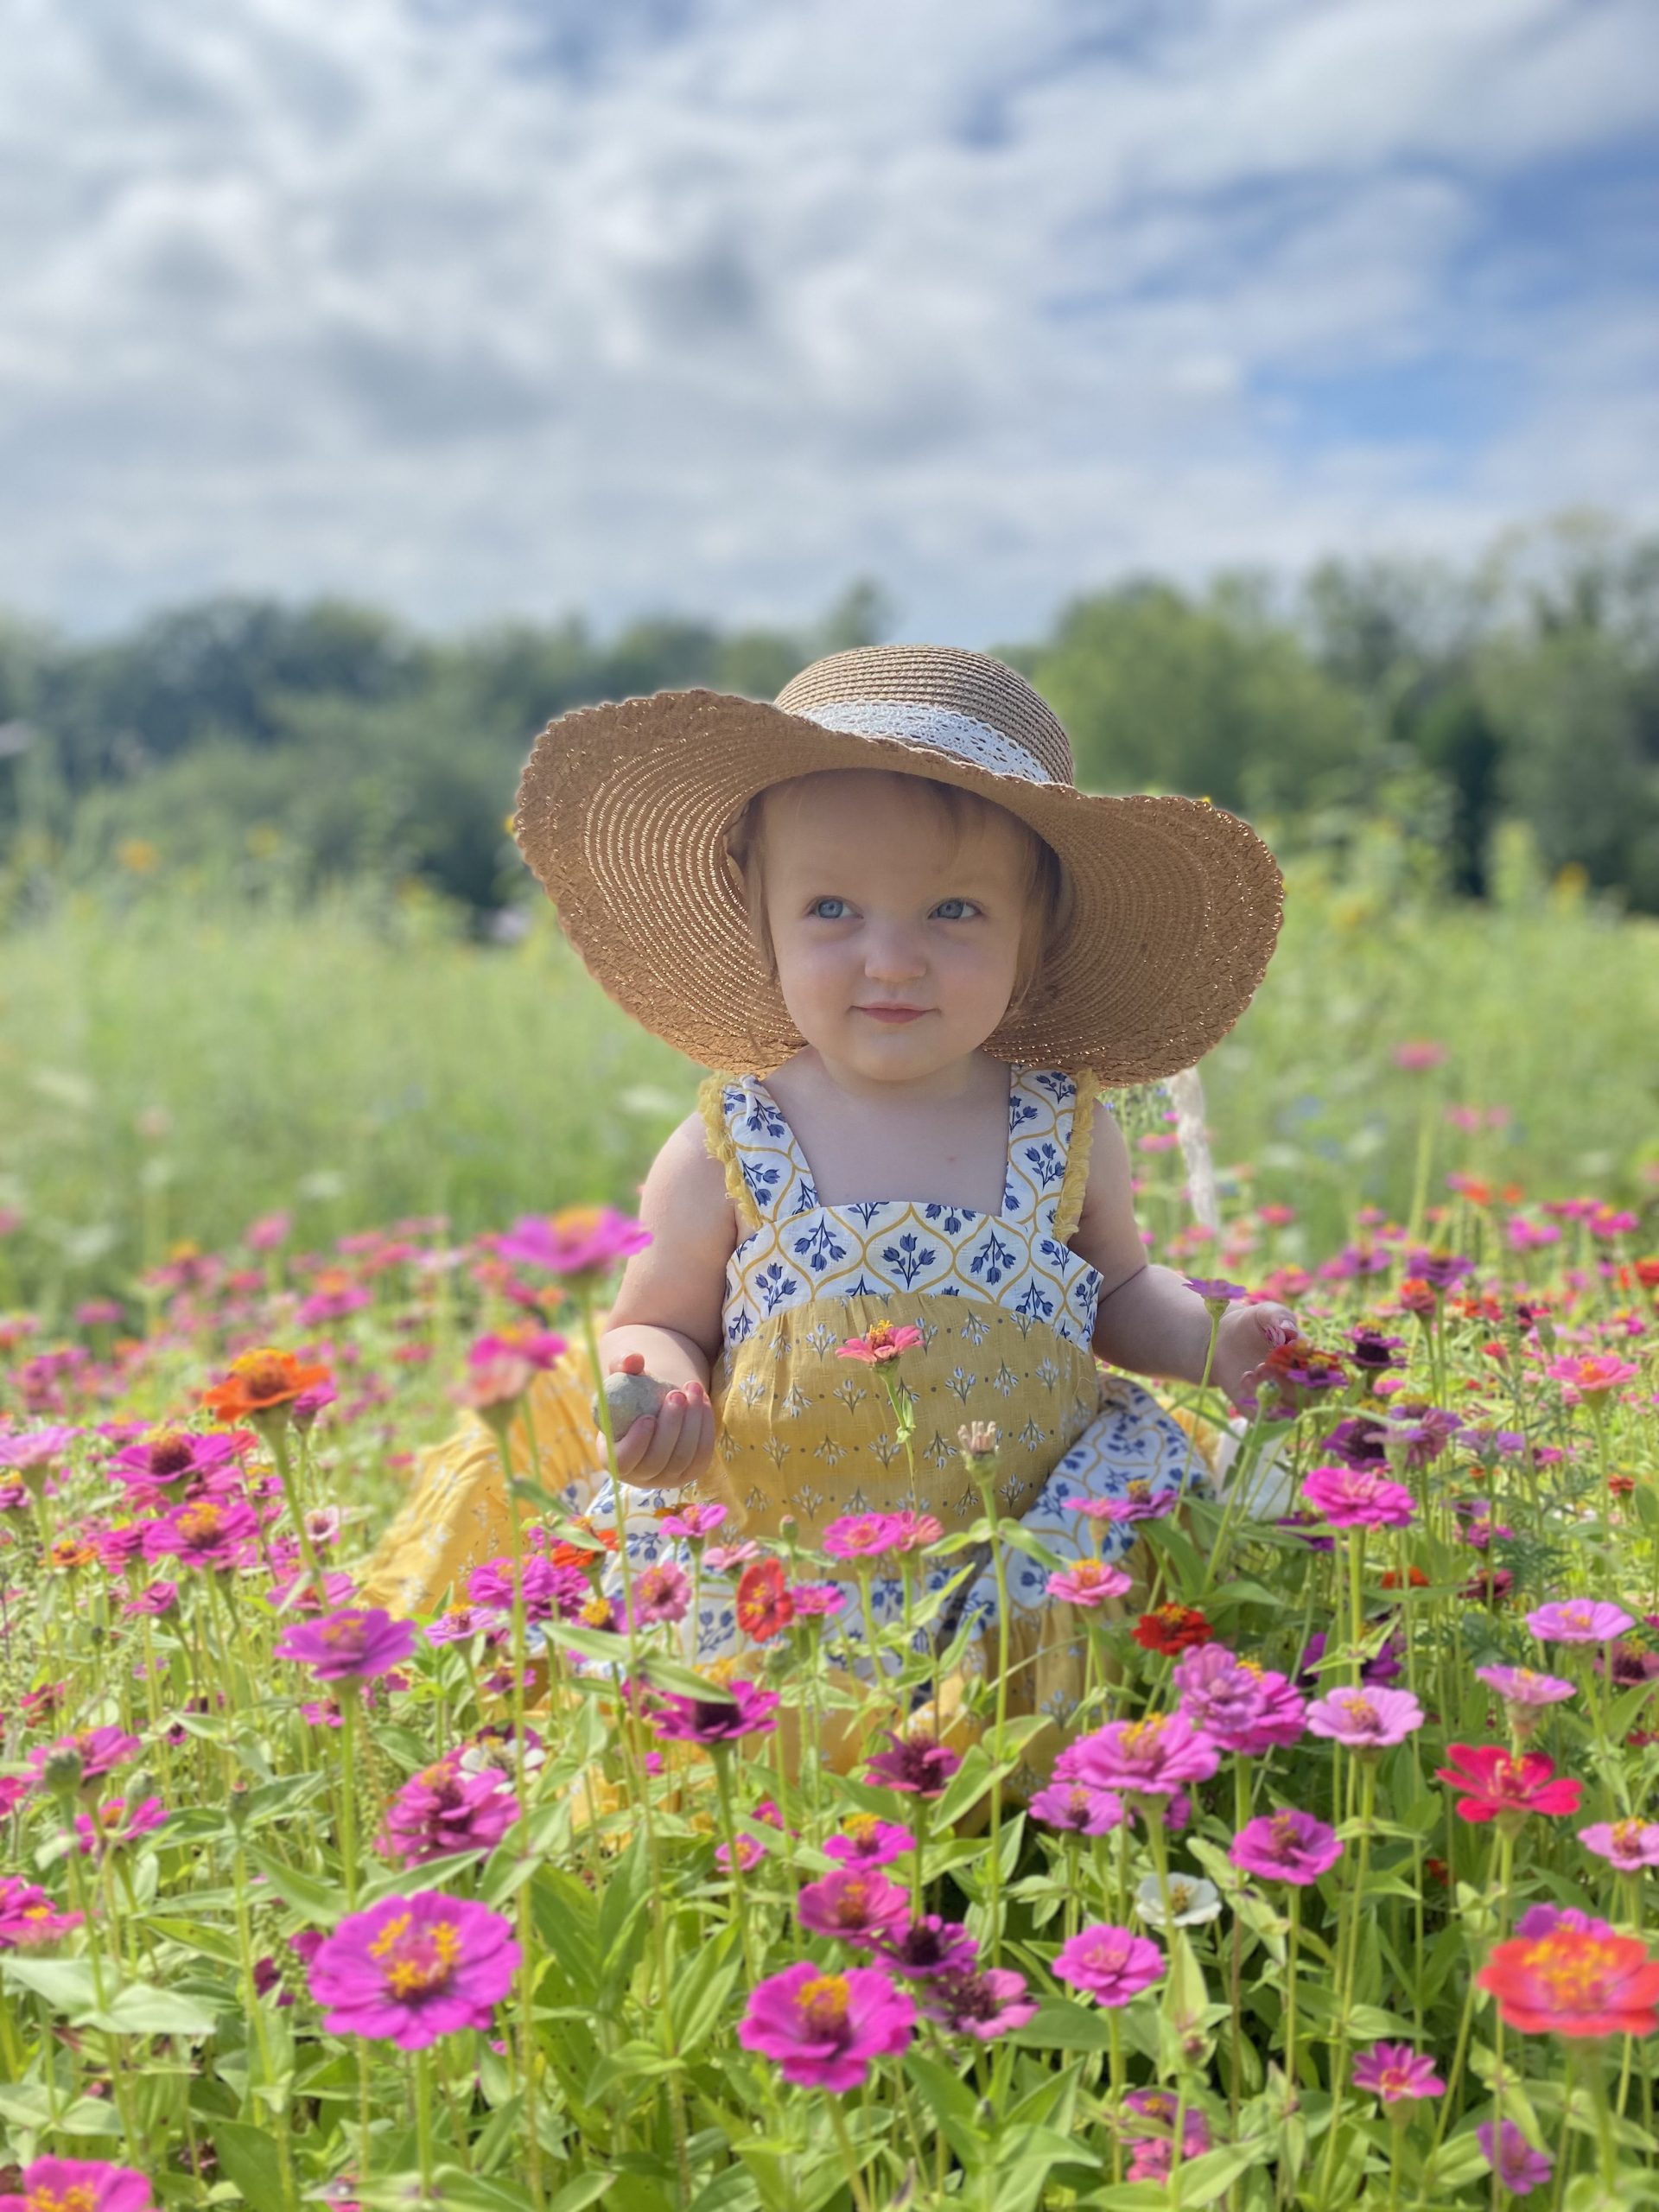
pixel 623 813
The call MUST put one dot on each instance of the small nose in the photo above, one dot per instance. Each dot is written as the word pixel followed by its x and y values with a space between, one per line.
pixel 893 953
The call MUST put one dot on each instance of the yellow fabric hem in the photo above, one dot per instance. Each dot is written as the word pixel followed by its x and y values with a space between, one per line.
pixel 1069 1211
pixel 722 1147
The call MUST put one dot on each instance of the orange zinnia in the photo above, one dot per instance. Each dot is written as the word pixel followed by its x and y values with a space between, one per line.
pixel 258 1382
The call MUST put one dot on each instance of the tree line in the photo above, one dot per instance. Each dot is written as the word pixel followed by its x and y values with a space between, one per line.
pixel 328 740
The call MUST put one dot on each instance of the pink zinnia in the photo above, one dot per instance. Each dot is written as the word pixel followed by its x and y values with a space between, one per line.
pixel 1580 1620
pixel 583 1240
pixel 918 1764
pixel 411 1969
pixel 982 2005
pixel 855 1903
pixel 928 1948
pixel 1113 1964
pixel 694 1523
pixel 79 2185
pixel 862 1536
pixel 883 1342
pixel 913 1532
pixel 1139 1502
pixel 1287 1846
pixel 867 1840
pixel 172 1455
pixel 1070 1806
pixel 84 1758
pixel 824 2029
pixel 211 1533
pixel 29 1919
pixel 1591 1376
pixel 661 1593
pixel 1492 1786
pixel 1628 1845
pixel 1365 1719
pixel 115 1822
pixel 351 1646
pixel 1154 1757
pixel 1089 1582
pixel 441 1810
pixel 1395 2071
pixel 1520 1685
pixel 1350 1498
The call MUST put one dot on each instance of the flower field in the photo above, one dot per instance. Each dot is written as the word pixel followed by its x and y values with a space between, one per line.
pixel 1339 1893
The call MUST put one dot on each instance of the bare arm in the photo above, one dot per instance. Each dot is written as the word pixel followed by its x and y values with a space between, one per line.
pixel 1147 1321
pixel 666 1317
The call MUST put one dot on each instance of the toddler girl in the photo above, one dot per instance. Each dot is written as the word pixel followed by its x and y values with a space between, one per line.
pixel 914 952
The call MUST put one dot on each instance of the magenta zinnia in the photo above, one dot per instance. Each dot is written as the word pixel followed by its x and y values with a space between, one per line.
pixel 824 2029
pixel 1154 1757
pixel 442 1809
pixel 79 2185
pixel 350 1646
pixel 411 1969
pixel 715 1720
pixel 1580 1620
pixel 1287 1846
pixel 1352 1497
pixel 858 1904
pixel 1394 2071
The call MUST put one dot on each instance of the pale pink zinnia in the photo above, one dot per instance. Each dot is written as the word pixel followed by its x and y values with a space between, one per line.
pixel 1365 1719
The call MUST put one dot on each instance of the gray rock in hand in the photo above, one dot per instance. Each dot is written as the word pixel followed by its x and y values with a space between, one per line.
pixel 631 1398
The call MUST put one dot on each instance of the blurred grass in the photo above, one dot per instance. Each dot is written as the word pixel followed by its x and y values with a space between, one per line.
pixel 173 1061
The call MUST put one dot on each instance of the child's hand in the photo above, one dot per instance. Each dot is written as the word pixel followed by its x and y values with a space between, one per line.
pixel 672 1446
pixel 1248 1333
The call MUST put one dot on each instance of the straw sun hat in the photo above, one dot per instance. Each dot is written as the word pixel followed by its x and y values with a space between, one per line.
pixel 1172 906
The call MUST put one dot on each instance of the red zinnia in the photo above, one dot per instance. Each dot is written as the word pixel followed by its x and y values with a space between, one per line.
pixel 1172 1628
pixel 765 1607
pixel 1491 1786
pixel 1575 1982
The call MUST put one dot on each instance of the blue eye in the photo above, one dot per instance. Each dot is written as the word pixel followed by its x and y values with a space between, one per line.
pixel 964 907
pixel 820 904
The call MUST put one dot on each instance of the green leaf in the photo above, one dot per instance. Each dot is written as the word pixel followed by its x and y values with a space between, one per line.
pixel 248 2156
pixel 1059 2026
pixel 140 2009
pixel 683 1682
pixel 29 2106
pixel 1202 2180
pixel 576 2195
pixel 953 2105
pixel 66 1984
pixel 320 1903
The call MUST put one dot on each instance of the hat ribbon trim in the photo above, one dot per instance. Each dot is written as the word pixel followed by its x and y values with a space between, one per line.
pixel 942 727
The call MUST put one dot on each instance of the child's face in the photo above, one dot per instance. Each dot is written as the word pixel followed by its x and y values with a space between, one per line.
pixel 897 942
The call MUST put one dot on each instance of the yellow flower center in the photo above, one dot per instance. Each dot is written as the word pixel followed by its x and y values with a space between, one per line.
pixel 414 1964
pixel 824 2002
pixel 1573 1969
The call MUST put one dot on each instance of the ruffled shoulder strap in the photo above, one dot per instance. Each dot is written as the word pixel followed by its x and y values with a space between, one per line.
pixel 1068 1210
pixel 722 1147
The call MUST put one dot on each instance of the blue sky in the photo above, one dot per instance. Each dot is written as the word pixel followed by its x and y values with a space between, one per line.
pixel 478 308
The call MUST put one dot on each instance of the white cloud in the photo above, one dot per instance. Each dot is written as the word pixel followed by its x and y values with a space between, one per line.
pixel 711 303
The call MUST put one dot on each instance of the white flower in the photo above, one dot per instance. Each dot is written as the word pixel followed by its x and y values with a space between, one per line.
pixel 1191 1901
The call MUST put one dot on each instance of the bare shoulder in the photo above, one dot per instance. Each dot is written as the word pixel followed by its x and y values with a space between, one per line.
pixel 1108 1235
pixel 676 1282
pixel 685 1191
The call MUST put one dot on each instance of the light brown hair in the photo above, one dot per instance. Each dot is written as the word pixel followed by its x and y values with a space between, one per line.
pixel 961 813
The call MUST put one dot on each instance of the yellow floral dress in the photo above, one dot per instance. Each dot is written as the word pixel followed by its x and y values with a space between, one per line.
pixel 1005 1311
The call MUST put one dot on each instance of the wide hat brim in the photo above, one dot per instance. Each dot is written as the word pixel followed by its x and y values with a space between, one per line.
pixel 623 811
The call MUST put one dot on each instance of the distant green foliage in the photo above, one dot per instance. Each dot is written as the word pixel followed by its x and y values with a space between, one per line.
pixel 1523 688
pixel 179 1055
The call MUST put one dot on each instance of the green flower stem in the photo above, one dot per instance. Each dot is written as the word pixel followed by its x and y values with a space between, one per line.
pixel 501 1420
pixel 424 2124
pixel 273 1426
pixel 721 1754
pixel 348 1716
pixel 256 2012
pixel 639 1779
pixel 985 1478
pixel 1348 1957
pixel 849 2156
